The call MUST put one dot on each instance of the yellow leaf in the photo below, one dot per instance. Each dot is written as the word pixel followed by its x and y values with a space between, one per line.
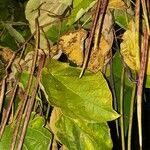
pixel 130 48
pixel 73 45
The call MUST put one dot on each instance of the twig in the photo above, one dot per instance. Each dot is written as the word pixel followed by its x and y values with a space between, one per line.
pixel 140 84
pixel 7 68
pixel 27 115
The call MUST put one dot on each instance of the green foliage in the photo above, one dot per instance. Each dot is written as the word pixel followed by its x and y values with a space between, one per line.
pixel 37 136
pixel 122 18
pixel 147 84
pixel 14 33
pixel 76 134
pixel 117 70
pixel 58 30
pixel 80 8
pixel 76 97
pixel 77 109
pixel 7 40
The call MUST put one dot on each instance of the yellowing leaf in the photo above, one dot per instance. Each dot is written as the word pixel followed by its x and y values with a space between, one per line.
pixel 117 4
pixel 130 49
pixel 72 44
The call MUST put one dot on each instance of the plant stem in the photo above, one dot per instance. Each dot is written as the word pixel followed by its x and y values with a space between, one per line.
pixel 131 115
pixel 121 110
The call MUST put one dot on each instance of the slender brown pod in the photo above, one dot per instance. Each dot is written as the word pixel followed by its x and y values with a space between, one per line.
pixel 140 84
pixel 97 12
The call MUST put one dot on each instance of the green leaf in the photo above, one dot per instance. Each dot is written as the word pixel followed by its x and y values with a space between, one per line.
pixel 88 98
pixel 37 137
pixel 76 134
pixel 7 40
pixel 122 18
pixel 14 33
pixel 58 30
pixel 80 7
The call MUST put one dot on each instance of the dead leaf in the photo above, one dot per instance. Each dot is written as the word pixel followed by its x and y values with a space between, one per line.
pixel 6 53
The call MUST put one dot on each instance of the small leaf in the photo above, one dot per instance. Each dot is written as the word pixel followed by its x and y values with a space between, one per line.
pixel 37 122
pixel 55 116
pixel 81 135
pixel 88 98
pixel 24 80
pixel 80 7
